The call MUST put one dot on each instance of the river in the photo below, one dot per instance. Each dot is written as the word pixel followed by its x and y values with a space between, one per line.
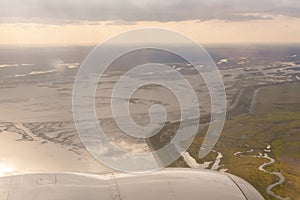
pixel 192 163
pixel 270 188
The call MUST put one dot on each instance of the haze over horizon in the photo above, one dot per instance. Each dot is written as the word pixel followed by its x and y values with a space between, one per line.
pixel 42 22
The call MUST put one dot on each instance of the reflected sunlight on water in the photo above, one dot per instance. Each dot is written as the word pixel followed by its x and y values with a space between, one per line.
pixel 6 169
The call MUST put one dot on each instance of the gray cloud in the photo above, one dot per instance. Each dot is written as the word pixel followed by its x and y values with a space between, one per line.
pixel 70 11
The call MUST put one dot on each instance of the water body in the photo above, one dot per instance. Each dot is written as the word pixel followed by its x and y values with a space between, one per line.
pixel 27 151
pixel 217 162
pixel 192 163
pixel 269 189
pixel 278 174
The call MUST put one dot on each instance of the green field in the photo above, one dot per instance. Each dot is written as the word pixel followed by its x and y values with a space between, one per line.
pixel 276 121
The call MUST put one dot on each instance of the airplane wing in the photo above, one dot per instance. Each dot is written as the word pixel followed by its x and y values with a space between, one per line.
pixel 185 184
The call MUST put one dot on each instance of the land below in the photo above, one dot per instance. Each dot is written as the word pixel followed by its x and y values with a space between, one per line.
pixel 261 144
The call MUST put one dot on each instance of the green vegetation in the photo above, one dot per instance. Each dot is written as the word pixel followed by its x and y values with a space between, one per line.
pixel 276 121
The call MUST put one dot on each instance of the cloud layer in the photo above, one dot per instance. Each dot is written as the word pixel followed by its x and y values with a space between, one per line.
pixel 70 11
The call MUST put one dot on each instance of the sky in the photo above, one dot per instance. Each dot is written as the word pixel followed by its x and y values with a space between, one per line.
pixel 84 22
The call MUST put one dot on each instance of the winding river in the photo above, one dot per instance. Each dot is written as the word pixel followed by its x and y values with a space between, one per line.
pixel 191 162
pixel 269 189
